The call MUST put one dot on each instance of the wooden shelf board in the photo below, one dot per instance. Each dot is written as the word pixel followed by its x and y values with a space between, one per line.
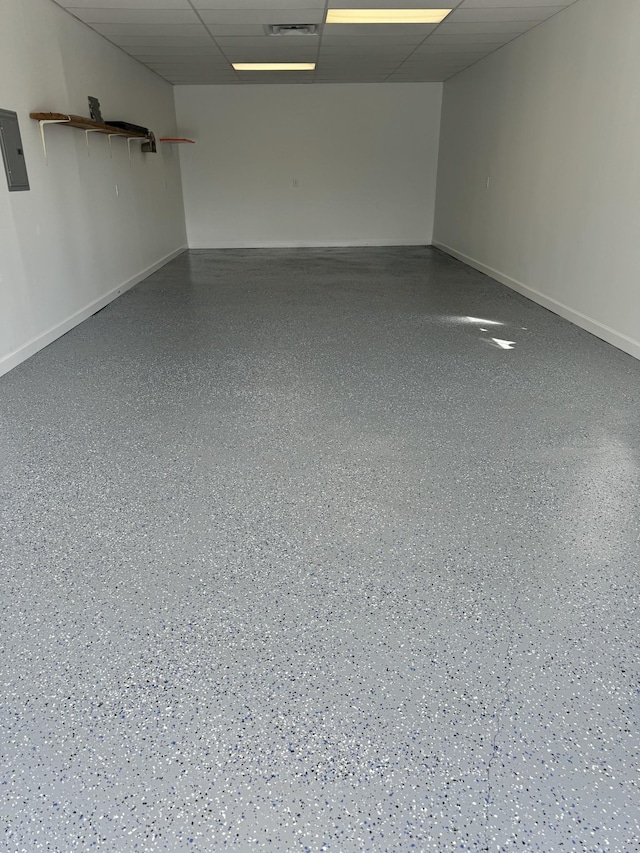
pixel 86 124
pixel 177 139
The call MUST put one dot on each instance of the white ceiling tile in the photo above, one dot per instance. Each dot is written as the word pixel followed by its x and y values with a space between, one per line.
pixel 255 4
pixel 362 59
pixel 207 81
pixel 422 78
pixel 427 75
pixel 276 76
pixel 217 73
pixel 350 78
pixel 245 30
pixel 266 50
pixel 457 46
pixel 136 16
pixel 427 62
pixel 450 59
pixel 187 52
pixel 462 49
pixel 337 73
pixel 477 38
pixel 346 66
pixel 503 13
pixel 230 17
pixel 72 5
pixel 201 80
pixel 373 39
pixel 271 42
pixel 418 75
pixel 490 27
pixel 151 29
pixel 261 57
pixel 423 73
pixel 392 4
pixel 262 77
pixel 191 66
pixel 381 30
pixel 176 41
pixel 220 73
pixel 355 60
pixel 483 4
pixel 214 56
pixel 241 55
pixel 369 49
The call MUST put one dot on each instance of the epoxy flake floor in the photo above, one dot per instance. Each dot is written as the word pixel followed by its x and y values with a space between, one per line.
pixel 328 550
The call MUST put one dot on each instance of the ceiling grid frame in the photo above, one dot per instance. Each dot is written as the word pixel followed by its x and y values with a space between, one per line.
pixel 195 42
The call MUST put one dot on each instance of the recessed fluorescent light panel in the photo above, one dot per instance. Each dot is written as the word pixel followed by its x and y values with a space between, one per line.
pixel 386 16
pixel 274 66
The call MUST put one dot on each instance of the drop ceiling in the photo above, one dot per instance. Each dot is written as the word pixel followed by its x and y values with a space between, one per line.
pixel 195 41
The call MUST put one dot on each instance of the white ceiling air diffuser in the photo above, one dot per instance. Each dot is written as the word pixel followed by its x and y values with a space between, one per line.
pixel 291 29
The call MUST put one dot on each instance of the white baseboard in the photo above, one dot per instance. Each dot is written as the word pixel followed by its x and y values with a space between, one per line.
pixel 605 333
pixel 307 244
pixel 26 350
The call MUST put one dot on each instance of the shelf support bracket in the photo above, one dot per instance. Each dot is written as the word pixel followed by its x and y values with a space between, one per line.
pixel 86 137
pixel 50 121
pixel 110 135
pixel 131 139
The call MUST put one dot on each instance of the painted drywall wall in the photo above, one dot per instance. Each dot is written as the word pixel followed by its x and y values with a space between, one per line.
pixel 539 182
pixel 299 165
pixel 74 241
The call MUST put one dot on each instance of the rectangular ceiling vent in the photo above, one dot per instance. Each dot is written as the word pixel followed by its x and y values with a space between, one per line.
pixel 291 29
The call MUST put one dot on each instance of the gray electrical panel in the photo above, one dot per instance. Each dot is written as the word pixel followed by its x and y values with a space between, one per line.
pixel 12 152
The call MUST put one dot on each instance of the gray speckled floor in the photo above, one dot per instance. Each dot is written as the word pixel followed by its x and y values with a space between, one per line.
pixel 298 558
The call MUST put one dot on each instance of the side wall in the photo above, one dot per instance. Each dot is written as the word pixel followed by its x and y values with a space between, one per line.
pixel 91 225
pixel 539 176
pixel 298 165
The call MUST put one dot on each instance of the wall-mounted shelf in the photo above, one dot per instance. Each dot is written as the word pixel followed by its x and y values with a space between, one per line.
pixel 177 139
pixel 86 124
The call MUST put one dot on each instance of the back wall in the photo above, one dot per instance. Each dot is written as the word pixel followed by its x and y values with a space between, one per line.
pixel 309 165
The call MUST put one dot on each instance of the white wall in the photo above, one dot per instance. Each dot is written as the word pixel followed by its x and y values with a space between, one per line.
pixel 553 121
pixel 70 244
pixel 365 157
